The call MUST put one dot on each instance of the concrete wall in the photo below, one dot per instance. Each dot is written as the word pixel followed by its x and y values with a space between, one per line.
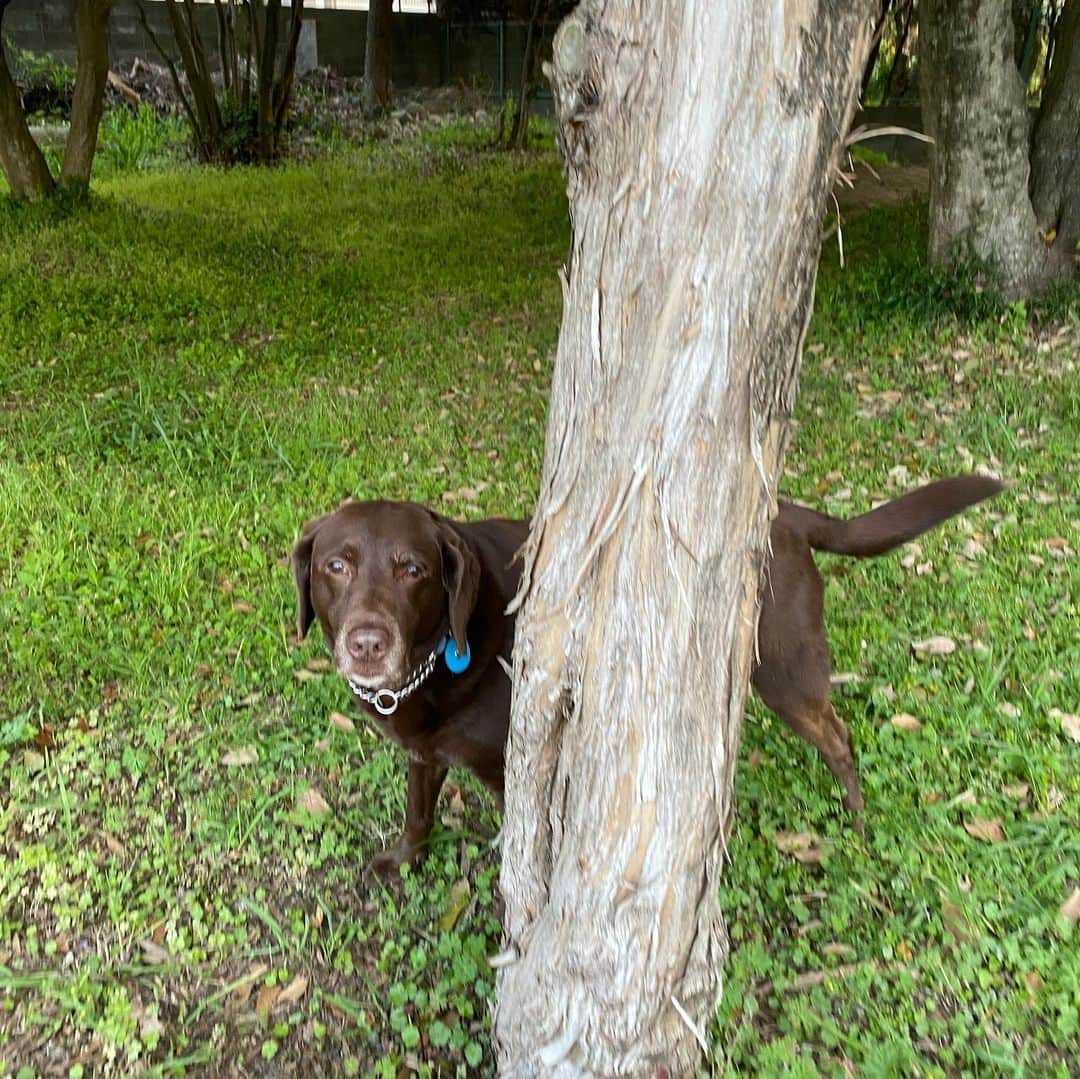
pixel 427 52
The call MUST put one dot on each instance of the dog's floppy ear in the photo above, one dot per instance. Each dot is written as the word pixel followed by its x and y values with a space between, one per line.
pixel 301 566
pixel 461 578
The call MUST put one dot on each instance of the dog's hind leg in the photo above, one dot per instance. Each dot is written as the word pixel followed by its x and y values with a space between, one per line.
pixel 811 716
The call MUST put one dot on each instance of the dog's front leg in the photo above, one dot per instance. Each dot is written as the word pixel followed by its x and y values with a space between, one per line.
pixel 425 782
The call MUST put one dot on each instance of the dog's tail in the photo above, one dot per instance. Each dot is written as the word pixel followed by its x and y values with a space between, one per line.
pixel 896 522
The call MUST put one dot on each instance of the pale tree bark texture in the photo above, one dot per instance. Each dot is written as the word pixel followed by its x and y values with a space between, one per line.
pixel 985 167
pixel 698 139
pixel 378 55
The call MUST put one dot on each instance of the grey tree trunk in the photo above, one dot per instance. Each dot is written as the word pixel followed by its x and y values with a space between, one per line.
pixel 975 108
pixel 25 169
pixel 92 72
pixel 1055 153
pixel 378 54
pixel 698 139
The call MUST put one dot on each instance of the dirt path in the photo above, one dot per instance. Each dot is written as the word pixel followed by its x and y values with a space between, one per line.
pixel 887 185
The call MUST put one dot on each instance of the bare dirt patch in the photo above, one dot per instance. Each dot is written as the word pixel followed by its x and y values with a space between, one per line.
pixel 885 185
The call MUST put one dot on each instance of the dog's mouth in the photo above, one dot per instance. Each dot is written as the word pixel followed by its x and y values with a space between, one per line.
pixel 384 668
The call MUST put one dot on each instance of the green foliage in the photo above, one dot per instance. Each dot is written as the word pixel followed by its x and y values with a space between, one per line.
pixel 197 361
pixel 130 140
pixel 47 83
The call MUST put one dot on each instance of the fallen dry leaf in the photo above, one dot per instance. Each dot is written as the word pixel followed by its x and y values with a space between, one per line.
pixel 148 1024
pixel 266 999
pixel 1070 723
pixel 973 549
pixel 342 722
pixel 313 801
pixel 243 607
pixel 837 949
pixel 455 906
pixel 294 990
pixel 153 953
pixel 906 722
pixel 114 844
pixel 1018 792
pixel 934 646
pixel 319 663
pixel 242 990
pixel 302 674
pixel 802 846
pixel 1070 909
pixel 240 756
pixel 955 920
pixel 844 678
pixel 1008 709
pixel 989 831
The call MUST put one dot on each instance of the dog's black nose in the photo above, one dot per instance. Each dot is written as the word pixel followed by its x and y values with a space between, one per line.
pixel 368 644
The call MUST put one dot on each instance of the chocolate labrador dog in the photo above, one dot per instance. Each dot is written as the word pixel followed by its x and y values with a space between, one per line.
pixel 413 605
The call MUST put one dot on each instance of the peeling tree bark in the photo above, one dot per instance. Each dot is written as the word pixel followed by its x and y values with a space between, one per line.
pixel 975 108
pixel 698 140
pixel 92 72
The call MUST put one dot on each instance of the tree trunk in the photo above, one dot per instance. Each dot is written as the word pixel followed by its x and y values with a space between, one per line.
pixel 1055 155
pixel 697 169
pixel 267 65
pixel 378 52
pixel 519 129
pixel 25 169
pixel 975 108
pixel 92 72
pixel 898 81
pixel 283 86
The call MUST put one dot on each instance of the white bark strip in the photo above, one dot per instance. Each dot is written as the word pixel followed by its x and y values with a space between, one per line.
pixel 697 138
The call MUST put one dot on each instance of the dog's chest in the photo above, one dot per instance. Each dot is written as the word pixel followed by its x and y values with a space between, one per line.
pixel 423 744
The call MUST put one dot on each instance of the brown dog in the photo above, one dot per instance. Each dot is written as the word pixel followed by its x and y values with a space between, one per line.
pixel 404 596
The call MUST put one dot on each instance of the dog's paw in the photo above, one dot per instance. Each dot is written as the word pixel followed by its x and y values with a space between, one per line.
pixel 385 867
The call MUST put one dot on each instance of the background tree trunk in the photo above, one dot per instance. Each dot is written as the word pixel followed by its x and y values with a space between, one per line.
pixel 1055 154
pixel 25 169
pixel 519 129
pixel 92 72
pixel 378 54
pixel 975 108
pixel 267 64
pixel 697 168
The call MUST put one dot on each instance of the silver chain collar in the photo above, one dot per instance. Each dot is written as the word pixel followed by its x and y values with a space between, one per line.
pixel 386 701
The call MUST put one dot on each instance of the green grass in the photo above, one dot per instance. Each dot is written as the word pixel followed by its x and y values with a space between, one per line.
pixel 199 360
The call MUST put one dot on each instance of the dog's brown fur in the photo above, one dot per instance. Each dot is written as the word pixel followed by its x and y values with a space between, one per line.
pixel 354 573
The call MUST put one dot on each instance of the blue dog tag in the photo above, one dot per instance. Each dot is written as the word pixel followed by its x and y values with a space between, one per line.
pixel 457 662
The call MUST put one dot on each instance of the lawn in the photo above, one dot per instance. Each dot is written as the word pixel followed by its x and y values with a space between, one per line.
pixel 200 360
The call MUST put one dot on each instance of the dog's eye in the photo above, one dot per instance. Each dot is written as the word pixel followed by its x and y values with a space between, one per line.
pixel 413 570
pixel 335 565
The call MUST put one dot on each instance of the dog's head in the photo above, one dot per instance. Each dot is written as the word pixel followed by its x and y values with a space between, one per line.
pixel 385 580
